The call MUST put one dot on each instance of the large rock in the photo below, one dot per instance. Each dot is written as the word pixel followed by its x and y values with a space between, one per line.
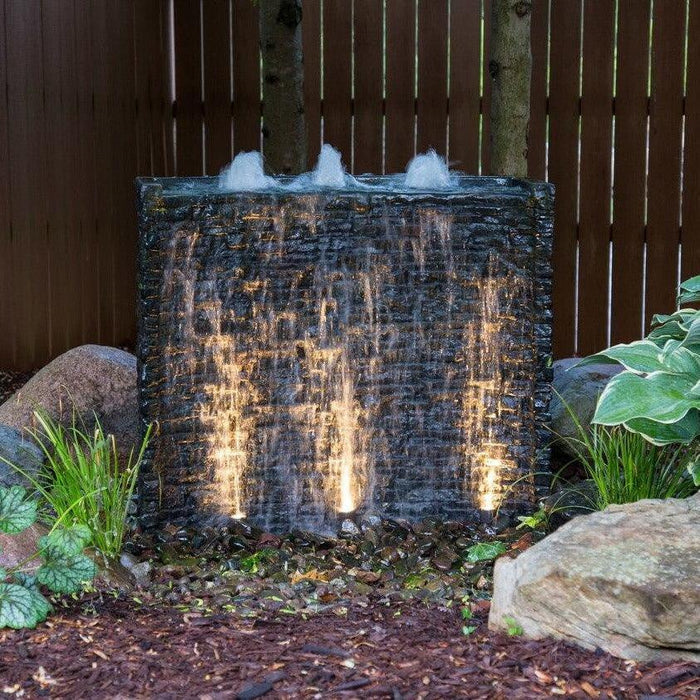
pixel 580 388
pixel 93 378
pixel 624 580
pixel 21 451
pixel 20 549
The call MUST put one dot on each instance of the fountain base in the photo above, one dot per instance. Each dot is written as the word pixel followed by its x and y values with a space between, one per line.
pixel 305 350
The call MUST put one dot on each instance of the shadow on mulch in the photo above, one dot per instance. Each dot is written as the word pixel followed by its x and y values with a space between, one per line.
pixel 106 647
pixel 11 382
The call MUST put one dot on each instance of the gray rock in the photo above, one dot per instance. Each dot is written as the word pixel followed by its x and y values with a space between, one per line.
pixel 22 452
pixel 349 529
pixel 624 580
pixel 580 388
pixel 93 378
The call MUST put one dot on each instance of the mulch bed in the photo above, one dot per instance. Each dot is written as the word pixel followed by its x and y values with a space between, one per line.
pixel 106 647
pixel 11 381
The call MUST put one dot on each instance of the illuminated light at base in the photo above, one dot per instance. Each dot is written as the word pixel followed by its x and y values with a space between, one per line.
pixel 488 461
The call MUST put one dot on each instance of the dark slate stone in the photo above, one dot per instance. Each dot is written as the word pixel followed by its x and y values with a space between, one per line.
pixel 380 286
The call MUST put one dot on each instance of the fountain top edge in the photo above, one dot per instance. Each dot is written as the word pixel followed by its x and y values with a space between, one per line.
pixel 367 185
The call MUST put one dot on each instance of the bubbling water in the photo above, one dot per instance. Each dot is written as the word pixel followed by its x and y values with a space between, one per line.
pixel 329 170
pixel 428 171
pixel 245 173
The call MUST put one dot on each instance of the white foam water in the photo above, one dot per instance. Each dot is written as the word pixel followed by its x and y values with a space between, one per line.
pixel 245 173
pixel 329 170
pixel 428 171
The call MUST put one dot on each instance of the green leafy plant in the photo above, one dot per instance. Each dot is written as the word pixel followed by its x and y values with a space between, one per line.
pixel 485 551
pixel 83 482
pixel 539 520
pixel 658 393
pixel 625 467
pixel 513 628
pixel 63 569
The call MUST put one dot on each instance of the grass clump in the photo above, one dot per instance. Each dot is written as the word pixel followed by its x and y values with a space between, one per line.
pixel 625 467
pixel 83 482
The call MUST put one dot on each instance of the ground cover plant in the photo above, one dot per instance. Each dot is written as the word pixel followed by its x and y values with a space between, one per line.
pixel 83 481
pixel 63 567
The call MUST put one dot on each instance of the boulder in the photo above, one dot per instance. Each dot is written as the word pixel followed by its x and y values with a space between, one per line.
pixel 624 580
pixel 580 388
pixel 21 451
pixel 93 379
pixel 17 549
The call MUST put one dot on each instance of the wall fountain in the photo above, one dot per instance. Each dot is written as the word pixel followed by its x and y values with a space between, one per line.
pixel 323 346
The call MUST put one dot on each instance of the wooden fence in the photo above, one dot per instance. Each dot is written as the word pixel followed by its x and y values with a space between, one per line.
pixel 98 91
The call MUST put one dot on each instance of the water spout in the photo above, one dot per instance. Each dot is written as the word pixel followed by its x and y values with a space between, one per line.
pixel 245 173
pixel 428 171
pixel 329 170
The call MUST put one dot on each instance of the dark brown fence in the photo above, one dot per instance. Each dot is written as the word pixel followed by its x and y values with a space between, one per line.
pixel 100 91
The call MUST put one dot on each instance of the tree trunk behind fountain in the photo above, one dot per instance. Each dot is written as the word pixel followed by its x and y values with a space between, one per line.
pixel 310 354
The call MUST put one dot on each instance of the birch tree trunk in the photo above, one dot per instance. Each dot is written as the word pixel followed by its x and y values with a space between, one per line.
pixel 284 127
pixel 510 66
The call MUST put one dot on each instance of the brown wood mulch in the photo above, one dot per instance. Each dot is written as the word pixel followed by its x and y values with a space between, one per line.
pixel 114 649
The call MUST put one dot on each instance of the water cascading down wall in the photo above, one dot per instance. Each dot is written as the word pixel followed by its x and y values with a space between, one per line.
pixel 311 354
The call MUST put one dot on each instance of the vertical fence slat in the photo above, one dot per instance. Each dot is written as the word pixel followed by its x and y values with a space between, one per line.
pixel 311 37
pixel 217 85
pixel 564 116
pixel 537 134
pixel 368 87
pixel 8 350
pixel 246 77
pixel 27 161
pixel 630 163
pixel 88 248
pixel 400 75
pixel 464 96
pixel 104 154
pixel 596 176
pixel 337 76
pixel 432 75
pixel 486 96
pixel 664 156
pixel 690 257
pixel 188 88
pixel 149 78
pixel 124 214
pixel 61 148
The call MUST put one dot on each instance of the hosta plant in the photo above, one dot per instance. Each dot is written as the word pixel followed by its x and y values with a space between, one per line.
pixel 658 393
pixel 63 569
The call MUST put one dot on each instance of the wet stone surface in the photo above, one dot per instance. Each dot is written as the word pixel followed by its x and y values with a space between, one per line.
pixel 249 572
pixel 327 351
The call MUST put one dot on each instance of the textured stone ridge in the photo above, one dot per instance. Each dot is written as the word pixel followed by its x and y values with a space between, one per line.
pixel 293 293
pixel 624 580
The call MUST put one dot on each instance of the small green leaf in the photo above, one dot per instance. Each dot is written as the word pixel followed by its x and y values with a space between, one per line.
pixel 18 608
pixel 468 629
pixel 68 541
pixel 689 291
pixel 513 628
pixel 16 513
pixel 694 471
pixel 485 551
pixel 68 574
pixel 30 583
pixel 466 613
